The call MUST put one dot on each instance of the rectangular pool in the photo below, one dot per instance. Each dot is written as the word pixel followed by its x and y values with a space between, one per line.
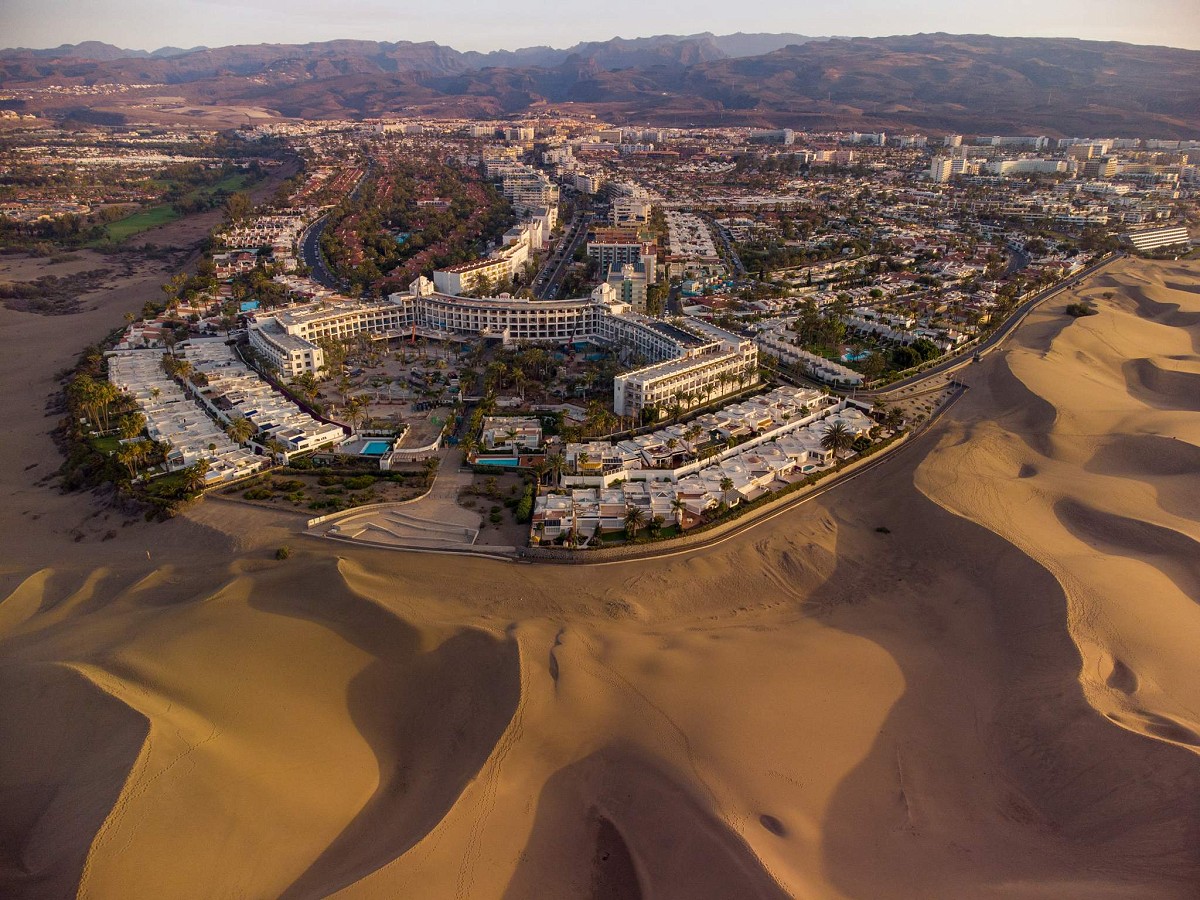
pixel 375 448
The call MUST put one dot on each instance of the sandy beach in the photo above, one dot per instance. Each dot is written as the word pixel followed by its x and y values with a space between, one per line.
pixel 969 673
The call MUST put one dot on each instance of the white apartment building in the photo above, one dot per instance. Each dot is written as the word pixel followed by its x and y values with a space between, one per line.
pixel 1144 239
pixel 941 168
pixel 723 364
pixel 283 350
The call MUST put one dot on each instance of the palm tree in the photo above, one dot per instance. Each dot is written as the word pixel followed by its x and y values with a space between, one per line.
pixel 240 430
pixel 306 384
pixel 510 436
pixel 837 437
pixel 193 475
pixel 356 412
pixel 128 457
pixel 130 425
pixel 893 418
pixel 276 448
pixel 635 520
pixel 540 468
pixel 726 487
pixel 556 463
pixel 678 507
pixel 581 460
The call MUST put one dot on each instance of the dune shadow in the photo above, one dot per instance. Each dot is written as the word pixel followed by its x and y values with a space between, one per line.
pixel 1175 554
pixel 1172 314
pixel 66 750
pixel 616 826
pixel 1162 388
pixel 431 718
pixel 991 766
pixel 1170 467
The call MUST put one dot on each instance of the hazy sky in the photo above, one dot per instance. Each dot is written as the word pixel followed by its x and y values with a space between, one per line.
pixel 488 24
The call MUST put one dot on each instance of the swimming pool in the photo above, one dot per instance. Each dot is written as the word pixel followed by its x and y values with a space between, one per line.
pixel 855 357
pixel 375 448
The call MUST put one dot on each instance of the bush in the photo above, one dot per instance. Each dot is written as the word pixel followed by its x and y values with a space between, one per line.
pixel 258 493
pixel 1080 309
pixel 283 552
pixel 359 482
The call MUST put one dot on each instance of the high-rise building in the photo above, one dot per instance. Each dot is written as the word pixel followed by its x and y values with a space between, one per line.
pixel 1102 167
pixel 941 168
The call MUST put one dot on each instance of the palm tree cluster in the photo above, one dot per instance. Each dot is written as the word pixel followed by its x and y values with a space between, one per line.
pixel 94 398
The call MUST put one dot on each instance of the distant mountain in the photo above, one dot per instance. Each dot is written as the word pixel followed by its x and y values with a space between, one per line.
pixel 96 50
pixel 967 83
pixel 93 50
pixel 612 54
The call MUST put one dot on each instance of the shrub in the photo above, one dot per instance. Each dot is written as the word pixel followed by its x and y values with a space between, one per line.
pixel 1080 309
pixel 283 552
pixel 359 482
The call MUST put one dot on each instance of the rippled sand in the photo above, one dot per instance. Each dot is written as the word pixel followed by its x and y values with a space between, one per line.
pixel 995 697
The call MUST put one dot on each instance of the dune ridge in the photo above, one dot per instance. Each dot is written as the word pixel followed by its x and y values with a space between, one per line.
pixel 968 673
pixel 1104 511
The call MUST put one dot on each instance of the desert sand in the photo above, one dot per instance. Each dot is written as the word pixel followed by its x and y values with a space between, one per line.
pixel 993 698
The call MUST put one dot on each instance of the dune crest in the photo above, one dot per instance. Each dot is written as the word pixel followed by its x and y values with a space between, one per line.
pixel 1102 510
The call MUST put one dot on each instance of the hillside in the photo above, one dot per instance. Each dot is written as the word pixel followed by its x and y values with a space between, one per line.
pixel 969 83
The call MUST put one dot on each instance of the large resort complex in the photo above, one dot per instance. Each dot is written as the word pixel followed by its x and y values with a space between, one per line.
pixel 683 342
pixel 688 355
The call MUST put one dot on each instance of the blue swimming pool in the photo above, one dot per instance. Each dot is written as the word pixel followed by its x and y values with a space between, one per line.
pixel 375 448
pixel 855 357
pixel 499 461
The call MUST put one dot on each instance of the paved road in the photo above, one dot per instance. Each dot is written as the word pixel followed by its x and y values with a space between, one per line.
pixel 549 280
pixel 997 336
pixel 716 229
pixel 310 245
pixel 310 253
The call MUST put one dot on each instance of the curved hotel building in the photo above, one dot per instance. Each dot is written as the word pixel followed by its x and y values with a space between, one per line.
pixel 688 357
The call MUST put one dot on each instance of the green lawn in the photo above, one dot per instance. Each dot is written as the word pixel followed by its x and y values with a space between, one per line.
pixel 152 217
pixel 106 445
pixel 140 221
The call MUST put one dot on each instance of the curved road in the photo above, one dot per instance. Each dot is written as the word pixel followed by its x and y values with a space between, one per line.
pixel 310 253
pixel 997 336
pixel 310 245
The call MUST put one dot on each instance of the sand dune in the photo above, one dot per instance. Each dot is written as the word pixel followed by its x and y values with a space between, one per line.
pixel 968 673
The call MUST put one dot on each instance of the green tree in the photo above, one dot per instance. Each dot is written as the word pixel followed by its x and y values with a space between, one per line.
pixel 635 520
pixel 726 487
pixel 837 437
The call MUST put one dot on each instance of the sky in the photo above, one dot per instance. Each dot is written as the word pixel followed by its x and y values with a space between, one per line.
pixel 490 25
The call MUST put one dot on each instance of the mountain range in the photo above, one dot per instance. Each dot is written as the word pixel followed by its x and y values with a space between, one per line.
pixel 966 83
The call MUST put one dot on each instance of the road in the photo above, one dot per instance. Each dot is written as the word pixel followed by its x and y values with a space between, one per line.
pixel 738 268
pixel 310 245
pixel 996 337
pixel 549 280
pixel 311 255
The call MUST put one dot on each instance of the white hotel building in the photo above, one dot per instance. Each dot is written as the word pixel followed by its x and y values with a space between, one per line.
pixel 1155 238
pixel 688 357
